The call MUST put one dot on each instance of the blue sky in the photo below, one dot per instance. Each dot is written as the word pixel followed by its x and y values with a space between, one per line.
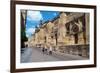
pixel 34 18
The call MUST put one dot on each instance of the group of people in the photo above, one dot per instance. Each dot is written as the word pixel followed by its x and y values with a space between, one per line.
pixel 47 50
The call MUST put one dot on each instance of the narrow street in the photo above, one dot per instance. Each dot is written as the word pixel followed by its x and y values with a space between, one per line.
pixel 36 55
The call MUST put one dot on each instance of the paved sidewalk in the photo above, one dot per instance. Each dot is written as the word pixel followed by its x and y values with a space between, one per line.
pixel 36 55
pixel 68 56
pixel 25 56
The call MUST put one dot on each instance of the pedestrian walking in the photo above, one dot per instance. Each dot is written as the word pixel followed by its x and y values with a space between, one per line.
pixel 43 49
pixel 50 50
pixel 46 51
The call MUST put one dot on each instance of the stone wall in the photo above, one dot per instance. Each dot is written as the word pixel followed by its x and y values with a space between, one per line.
pixel 80 50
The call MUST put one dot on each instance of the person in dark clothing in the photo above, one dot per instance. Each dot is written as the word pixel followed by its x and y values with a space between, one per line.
pixel 43 49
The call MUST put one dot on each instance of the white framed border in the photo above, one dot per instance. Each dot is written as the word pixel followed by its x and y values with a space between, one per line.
pixel 56 63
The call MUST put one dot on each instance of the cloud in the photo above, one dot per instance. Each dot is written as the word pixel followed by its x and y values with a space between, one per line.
pixel 30 31
pixel 55 14
pixel 27 35
pixel 34 16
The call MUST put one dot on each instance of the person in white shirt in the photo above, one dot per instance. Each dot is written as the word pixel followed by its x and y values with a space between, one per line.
pixel 50 50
